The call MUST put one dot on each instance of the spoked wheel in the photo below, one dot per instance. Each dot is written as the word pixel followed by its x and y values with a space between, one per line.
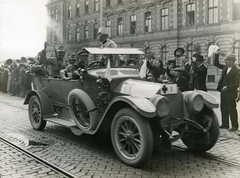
pixel 36 114
pixel 82 110
pixel 131 137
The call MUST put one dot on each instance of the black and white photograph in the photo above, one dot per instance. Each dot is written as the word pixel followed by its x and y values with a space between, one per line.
pixel 120 88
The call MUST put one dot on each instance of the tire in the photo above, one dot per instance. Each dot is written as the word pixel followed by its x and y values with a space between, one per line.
pixel 36 114
pixel 213 134
pixel 132 130
pixel 79 104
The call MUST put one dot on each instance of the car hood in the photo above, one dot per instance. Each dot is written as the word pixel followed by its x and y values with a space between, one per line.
pixel 138 88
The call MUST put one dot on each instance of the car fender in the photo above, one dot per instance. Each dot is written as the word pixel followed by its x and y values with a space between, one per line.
pixel 46 103
pixel 142 105
pixel 210 100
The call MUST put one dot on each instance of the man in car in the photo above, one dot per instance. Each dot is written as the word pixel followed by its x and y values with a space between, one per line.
pixel 107 43
pixel 66 74
pixel 53 65
pixel 103 38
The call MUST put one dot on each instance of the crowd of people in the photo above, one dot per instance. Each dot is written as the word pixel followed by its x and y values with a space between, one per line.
pixel 189 75
pixel 14 78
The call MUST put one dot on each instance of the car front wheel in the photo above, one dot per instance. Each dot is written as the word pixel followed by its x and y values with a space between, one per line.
pixel 36 114
pixel 213 134
pixel 131 137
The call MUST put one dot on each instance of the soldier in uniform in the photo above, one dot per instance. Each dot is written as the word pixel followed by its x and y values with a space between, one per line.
pixel 53 64
pixel 107 43
pixel 103 38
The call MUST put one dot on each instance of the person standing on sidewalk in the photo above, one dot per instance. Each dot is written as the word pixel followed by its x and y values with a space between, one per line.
pixel 227 85
pixel 198 74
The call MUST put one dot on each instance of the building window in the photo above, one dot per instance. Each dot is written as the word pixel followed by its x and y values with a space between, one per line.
pixel 86 6
pixel 119 26
pixel 77 35
pixel 164 19
pixel 86 32
pixel 77 9
pixel 211 78
pixel 190 14
pixel 120 2
pixel 69 35
pixel 148 22
pixel 69 12
pixel 164 54
pixel 212 11
pixel 133 19
pixel 108 4
pixel 190 50
pixel 108 25
pixel 52 14
pixel 96 5
pixel 56 15
pixel 236 12
pixel 95 30
pixel 236 50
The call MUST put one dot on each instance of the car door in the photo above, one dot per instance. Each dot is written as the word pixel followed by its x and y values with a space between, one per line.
pixel 56 90
pixel 67 86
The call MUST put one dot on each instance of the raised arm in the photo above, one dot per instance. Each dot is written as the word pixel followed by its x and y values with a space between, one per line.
pixel 216 61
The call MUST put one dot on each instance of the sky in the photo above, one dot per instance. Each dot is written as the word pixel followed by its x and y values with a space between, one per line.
pixel 22 28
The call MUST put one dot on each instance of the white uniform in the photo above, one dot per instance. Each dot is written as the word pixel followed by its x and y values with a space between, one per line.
pixel 109 44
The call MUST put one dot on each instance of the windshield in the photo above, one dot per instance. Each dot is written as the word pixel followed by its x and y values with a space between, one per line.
pixel 116 60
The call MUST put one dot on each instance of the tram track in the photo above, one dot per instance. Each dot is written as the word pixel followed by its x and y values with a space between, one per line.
pixel 207 157
pixel 38 159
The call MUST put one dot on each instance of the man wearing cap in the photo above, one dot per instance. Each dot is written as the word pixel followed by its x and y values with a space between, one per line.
pixel 198 74
pixel 179 79
pixel 227 85
pixel 107 43
pixel 53 65
pixel 103 38
pixel 66 73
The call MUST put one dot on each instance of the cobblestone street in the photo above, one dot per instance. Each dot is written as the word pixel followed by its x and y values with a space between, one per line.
pixel 93 156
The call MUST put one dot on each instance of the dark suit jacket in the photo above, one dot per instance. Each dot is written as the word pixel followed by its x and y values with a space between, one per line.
pixel 232 81
pixel 199 77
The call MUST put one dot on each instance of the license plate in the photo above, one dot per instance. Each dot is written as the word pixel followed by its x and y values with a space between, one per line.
pixel 168 89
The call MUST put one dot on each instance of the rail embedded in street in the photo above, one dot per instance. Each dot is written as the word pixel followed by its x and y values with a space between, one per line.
pixel 140 115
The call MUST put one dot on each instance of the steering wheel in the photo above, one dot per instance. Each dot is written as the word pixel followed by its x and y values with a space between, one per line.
pixel 96 62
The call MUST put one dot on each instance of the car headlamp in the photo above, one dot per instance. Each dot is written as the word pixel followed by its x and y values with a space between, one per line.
pixel 162 105
pixel 194 102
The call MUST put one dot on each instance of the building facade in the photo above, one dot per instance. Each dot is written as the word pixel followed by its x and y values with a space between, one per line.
pixel 157 26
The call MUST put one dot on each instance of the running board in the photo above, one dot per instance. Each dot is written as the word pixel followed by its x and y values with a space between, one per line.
pixel 60 121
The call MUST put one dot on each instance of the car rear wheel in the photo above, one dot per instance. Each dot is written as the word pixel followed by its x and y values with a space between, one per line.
pixel 36 114
pixel 82 110
pixel 131 137
pixel 213 135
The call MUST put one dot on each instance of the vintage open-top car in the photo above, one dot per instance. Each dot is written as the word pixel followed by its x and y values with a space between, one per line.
pixel 140 116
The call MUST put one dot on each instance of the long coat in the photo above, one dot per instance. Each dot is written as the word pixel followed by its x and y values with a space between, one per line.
pixel 198 76
pixel 232 81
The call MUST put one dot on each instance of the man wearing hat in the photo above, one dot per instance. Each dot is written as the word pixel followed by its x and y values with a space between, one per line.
pixel 52 65
pixel 198 74
pixel 23 81
pixel 103 38
pixel 227 85
pixel 107 43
